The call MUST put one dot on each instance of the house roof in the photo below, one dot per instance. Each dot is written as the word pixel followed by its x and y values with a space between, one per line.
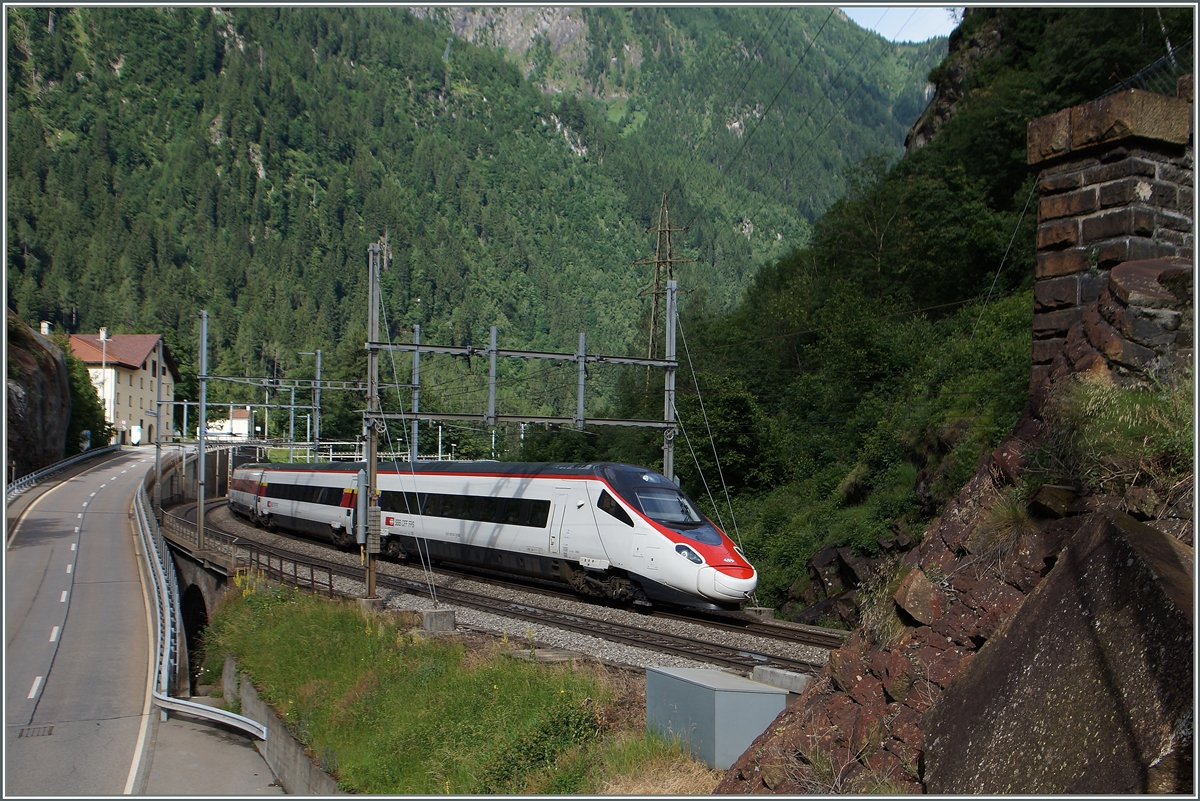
pixel 126 350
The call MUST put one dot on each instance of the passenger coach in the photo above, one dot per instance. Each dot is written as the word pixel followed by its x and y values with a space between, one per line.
pixel 606 529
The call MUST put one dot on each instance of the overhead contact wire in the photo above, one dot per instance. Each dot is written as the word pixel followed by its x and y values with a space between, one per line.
pixel 712 441
pixel 427 571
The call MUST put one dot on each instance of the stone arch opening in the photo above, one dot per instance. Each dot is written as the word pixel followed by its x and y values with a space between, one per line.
pixel 195 621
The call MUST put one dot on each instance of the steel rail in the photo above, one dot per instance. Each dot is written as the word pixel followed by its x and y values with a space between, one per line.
pixel 786 631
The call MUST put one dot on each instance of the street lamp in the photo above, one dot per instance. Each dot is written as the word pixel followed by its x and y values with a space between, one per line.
pixel 104 368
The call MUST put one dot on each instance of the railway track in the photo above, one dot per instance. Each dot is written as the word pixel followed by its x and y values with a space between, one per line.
pixel 306 569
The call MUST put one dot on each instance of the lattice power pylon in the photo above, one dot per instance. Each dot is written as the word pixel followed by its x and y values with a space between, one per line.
pixel 664 261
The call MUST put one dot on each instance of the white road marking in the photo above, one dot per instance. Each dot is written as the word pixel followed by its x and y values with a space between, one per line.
pixel 102 486
pixel 72 546
pixel 69 568
pixel 54 634
pixel 150 679
pixel 62 599
pixel 79 515
pixel 33 690
pixel 85 504
pixel 93 495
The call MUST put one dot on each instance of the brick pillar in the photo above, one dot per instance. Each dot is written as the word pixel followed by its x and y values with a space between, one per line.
pixel 1115 186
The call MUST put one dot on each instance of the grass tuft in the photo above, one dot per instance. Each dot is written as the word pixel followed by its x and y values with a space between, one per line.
pixel 1001 525
pixel 1114 437
pixel 878 616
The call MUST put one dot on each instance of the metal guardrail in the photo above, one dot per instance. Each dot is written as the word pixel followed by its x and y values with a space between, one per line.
pixel 185 530
pixel 25 482
pixel 168 616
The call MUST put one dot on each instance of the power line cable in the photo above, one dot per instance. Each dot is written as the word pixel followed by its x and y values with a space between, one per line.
pixel 838 109
pixel 1012 239
pixel 427 571
pixel 746 141
pixel 712 441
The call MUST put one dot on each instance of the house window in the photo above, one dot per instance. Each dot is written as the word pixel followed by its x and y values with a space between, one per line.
pixel 118 399
pixel 154 366
pixel 143 380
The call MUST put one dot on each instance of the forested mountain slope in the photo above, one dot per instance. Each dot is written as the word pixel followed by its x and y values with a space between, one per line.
pixel 167 160
pixel 852 391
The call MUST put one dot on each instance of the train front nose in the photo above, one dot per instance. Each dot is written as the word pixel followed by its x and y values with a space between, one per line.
pixel 727 583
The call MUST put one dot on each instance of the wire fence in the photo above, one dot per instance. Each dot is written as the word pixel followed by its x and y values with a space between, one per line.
pixel 1163 75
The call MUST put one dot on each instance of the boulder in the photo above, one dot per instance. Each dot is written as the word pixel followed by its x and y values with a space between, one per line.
pixel 918 596
pixel 1052 500
pixel 1089 687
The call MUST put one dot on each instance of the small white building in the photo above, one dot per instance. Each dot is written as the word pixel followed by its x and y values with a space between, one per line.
pixel 130 372
pixel 237 428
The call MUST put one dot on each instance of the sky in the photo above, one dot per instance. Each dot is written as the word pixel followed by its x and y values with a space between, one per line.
pixel 904 23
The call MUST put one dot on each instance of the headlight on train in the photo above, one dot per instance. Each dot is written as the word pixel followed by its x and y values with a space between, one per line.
pixel 689 554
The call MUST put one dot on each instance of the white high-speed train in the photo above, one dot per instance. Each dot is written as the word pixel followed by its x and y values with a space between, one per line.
pixel 606 529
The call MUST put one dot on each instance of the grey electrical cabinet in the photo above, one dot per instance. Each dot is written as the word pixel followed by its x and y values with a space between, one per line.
pixel 716 714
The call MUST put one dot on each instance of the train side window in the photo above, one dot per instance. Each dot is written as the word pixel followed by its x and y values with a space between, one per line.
pixel 609 504
pixel 434 505
pixel 479 508
pixel 539 514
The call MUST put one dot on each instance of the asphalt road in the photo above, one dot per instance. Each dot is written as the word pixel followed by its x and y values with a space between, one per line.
pixel 75 683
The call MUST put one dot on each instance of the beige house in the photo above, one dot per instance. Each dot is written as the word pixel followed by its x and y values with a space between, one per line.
pixel 130 371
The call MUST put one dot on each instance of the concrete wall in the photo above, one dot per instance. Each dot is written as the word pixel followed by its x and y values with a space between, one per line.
pixel 1116 185
pixel 290 763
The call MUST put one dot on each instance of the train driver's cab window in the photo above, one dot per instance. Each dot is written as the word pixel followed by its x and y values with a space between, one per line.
pixel 609 504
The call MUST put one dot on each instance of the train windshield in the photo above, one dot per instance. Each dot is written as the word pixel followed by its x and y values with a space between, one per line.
pixel 668 507
pixel 661 501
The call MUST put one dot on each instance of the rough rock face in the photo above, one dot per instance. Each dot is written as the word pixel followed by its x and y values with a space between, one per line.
pixel 39 401
pixel 1090 680
pixel 517 29
pixel 865 722
pixel 948 90
pixel 914 705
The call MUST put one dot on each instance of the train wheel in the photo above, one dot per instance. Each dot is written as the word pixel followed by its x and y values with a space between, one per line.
pixel 392 549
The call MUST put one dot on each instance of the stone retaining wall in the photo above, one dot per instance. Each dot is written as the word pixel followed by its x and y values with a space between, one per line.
pixel 1116 185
